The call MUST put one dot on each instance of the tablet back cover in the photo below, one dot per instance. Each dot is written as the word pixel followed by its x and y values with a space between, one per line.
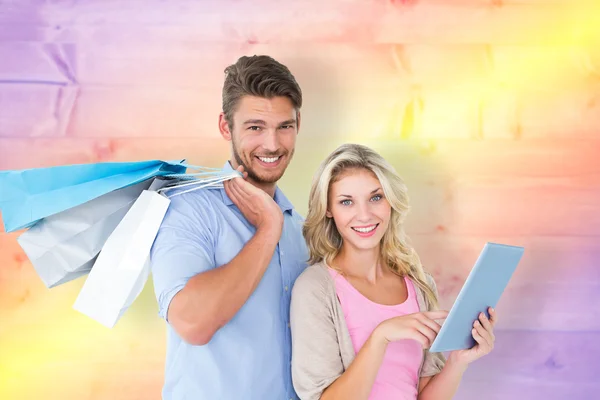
pixel 482 289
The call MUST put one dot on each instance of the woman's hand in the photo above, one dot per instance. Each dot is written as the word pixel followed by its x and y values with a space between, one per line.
pixel 483 333
pixel 420 326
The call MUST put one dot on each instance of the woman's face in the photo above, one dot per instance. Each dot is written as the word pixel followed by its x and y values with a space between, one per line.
pixel 359 209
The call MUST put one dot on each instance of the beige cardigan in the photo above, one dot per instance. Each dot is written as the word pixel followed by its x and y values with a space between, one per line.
pixel 321 346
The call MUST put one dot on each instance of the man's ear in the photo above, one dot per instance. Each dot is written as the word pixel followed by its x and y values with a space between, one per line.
pixel 298 121
pixel 224 127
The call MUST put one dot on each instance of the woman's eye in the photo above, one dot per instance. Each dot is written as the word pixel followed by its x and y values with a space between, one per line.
pixel 377 197
pixel 346 202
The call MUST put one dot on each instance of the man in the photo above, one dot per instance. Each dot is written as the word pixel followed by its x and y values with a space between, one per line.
pixel 225 260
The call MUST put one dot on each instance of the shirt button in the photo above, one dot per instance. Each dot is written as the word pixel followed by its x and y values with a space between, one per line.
pixel 288 324
pixel 285 288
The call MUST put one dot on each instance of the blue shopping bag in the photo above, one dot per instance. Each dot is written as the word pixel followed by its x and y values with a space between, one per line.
pixel 26 196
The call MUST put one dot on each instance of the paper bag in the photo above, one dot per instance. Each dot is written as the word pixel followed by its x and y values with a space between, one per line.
pixel 27 196
pixel 122 267
pixel 64 246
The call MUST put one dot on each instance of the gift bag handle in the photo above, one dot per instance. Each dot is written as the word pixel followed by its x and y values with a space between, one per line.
pixel 196 184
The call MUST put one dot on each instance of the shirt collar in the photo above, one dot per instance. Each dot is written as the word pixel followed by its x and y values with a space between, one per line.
pixel 280 198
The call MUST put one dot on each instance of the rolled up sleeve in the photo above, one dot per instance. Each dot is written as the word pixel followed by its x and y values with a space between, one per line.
pixel 184 247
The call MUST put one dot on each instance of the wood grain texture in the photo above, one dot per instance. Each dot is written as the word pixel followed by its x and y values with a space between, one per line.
pixel 543 159
pixel 36 109
pixel 37 62
pixel 378 90
pixel 559 161
pixel 532 365
pixel 509 211
pixel 557 357
pixel 542 114
pixel 16 154
pixel 398 112
pixel 148 112
pixel 350 64
pixel 490 110
pixel 371 21
pixel 148 63
pixel 551 158
pixel 528 365
pixel 554 301
pixel 551 260
pixel 554 280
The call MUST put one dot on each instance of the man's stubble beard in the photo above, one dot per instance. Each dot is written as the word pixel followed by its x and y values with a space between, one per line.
pixel 252 175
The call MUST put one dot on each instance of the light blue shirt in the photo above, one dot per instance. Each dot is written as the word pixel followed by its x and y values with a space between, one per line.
pixel 248 358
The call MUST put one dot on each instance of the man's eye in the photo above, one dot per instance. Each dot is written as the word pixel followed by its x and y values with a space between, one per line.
pixel 254 128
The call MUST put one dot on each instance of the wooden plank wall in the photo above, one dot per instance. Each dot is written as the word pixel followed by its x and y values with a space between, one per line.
pixel 489 109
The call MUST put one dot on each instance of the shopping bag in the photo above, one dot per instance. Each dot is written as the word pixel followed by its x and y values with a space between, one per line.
pixel 64 246
pixel 123 265
pixel 27 196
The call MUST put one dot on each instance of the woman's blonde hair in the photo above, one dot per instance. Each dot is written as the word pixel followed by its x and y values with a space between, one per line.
pixel 322 237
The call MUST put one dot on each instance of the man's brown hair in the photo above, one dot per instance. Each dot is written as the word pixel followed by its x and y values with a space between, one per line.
pixel 259 76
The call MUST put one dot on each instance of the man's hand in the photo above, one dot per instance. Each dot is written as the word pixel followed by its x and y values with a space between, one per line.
pixel 255 204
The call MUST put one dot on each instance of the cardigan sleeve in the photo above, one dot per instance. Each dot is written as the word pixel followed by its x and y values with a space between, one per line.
pixel 316 358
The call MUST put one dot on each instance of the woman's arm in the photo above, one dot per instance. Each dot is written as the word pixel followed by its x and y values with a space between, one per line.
pixel 444 385
pixel 317 367
pixel 357 381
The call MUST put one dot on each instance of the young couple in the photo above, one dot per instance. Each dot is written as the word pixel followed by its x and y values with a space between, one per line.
pixel 262 304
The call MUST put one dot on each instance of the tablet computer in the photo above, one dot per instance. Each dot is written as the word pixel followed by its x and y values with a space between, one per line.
pixel 482 289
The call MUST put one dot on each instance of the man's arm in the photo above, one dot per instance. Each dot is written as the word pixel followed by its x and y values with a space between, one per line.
pixel 210 299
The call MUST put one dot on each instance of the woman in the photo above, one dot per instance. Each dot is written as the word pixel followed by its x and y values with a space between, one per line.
pixel 363 314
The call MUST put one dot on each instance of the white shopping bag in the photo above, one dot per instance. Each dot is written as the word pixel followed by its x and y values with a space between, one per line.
pixel 122 268
pixel 64 246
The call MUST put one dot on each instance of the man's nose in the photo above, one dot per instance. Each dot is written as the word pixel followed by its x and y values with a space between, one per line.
pixel 271 140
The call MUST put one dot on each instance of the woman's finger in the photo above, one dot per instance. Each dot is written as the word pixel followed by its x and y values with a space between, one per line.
pixel 426 331
pixel 486 322
pixel 480 341
pixel 493 316
pixel 422 338
pixel 429 322
pixel 439 314
pixel 485 335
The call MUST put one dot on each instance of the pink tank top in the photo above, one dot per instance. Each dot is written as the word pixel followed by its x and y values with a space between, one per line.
pixel 398 375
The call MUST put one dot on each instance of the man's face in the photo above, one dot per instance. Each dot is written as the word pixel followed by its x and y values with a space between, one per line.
pixel 263 136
